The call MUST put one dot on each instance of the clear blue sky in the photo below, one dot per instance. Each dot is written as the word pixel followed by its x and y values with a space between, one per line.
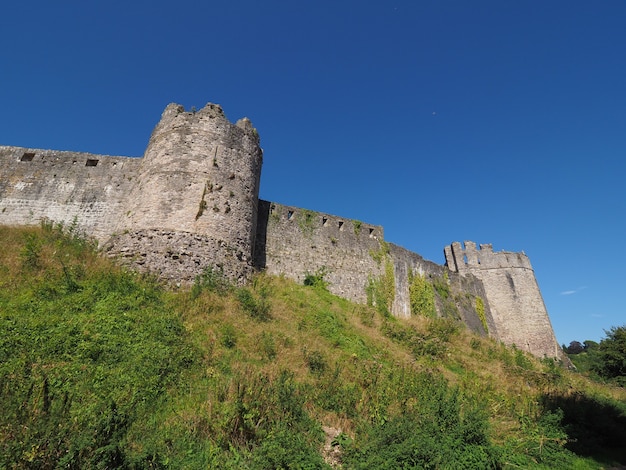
pixel 494 121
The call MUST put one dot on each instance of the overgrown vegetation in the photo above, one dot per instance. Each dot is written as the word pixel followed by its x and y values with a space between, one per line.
pixel 381 291
pixel 480 311
pixel 449 308
pixel 317 279
pixel 605 360
pixel 422 296
pixel 306 221
pixel 100 368
pixel 203 204
pixel 380 254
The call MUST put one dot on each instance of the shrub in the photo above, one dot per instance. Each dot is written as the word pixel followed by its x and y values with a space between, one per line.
pixel 31 252
pixel 315 361
pixel 334 394
pixel 316 279
pixel 431 433
pixel 284 448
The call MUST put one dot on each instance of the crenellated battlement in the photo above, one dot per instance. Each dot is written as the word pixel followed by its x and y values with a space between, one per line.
pixel 468 257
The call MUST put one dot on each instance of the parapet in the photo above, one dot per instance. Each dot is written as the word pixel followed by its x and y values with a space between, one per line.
pixel 467 258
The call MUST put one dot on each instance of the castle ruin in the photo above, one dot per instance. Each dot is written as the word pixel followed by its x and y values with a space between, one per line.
pixel 192 202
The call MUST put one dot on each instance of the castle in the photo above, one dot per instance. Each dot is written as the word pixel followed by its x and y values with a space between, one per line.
pixel 192 202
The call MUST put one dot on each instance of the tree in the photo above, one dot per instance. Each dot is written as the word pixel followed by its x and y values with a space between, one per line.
pixel 590 345
pixel 575 347
pixel 612 355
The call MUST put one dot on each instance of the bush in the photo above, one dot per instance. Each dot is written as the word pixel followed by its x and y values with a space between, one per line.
pixel 229 336
pixel 431 433
pixel 284 448
pixel 316 279
pixel 315 361
pixel 31 252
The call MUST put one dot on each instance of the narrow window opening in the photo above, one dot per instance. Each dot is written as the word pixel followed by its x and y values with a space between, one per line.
pixel 465 259
pixel 289 215
pixel 27 157
pixel 371 233
pixel 91 162
pixel 341 226
pixel 324 221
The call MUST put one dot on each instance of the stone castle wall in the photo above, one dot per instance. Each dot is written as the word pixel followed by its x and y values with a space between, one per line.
pixel 292 241
pixel 463 290
pixel 296 241
pixel 40 184
pixel 192 202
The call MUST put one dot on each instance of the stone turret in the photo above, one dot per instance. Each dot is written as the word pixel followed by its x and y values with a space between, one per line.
pixel 195 199
pixel 514 298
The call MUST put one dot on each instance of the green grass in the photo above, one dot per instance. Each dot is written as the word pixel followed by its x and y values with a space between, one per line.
pixel 101 368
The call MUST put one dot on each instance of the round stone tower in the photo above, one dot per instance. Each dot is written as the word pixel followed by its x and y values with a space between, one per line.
pixel 194 202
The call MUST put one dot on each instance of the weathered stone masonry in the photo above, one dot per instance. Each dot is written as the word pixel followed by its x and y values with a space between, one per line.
pixel 515 301
pixel 192 202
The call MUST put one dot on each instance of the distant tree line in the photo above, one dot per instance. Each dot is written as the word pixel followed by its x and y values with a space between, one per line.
pixel 606 359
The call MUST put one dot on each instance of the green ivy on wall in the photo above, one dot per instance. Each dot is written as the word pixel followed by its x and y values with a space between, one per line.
pixel 381 291
pixel 422 296
pixel 480 311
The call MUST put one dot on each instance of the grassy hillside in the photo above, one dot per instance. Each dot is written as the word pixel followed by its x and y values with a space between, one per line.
pixel 100 368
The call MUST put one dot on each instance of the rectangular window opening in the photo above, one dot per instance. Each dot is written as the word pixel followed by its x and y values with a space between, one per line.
pixel 341 226
pixel 371 233
pixel 289 215
pixel 91 162
pixel 27 157
pixel 324 221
